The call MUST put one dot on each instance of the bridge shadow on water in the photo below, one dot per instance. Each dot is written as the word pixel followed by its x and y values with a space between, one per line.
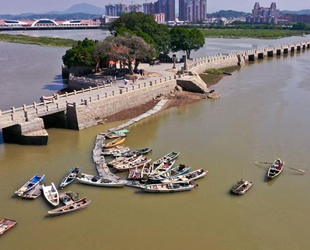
pixel 57 84
pixel 1 137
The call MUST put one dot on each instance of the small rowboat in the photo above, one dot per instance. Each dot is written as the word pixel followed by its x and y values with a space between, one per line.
pixel 169 188
pixel 138 163
pixel 241 187
pixel 123 160
pixel 275 169
pixel 163 168
pixel 194 175
pixel 112 135
pixel 51 194
pixel 69 197
pixel 114 143
pixel 117 151
pixel 80 204
pixel 142 151
pixel 100 181
pixel 140 173
pixel 29 185
pixel 70 177
pixel 172 173
pixel 6 224
pixel 168 157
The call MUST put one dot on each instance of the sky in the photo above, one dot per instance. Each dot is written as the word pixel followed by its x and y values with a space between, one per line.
pixel 42 6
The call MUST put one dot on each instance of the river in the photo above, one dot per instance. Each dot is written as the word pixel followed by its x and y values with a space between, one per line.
pixel 261 115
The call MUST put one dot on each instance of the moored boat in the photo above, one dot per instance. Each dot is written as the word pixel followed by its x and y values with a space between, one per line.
pixel 112 135
pixel 51 194
pixel 6 224
pixel 100 181
pixel 140 173
pixel 142 151
pixel 115 142
pixel 33 193
pixel 80 204
pixel 194 175
pixel 275 169
pixel 69 197
pixel 29 185
pixel 168 157
pixel 241 187
pixel 116 151
pixel 70 177
pixel 138 163
pixel 163 168
pixel 169 187
pixel 171 173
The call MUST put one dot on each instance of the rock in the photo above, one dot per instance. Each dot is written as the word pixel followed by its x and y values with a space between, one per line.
pixel 214 95
pixel 178 88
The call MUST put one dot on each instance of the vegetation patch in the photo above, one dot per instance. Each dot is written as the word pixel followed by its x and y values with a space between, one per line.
pixel 42 41
pixel 213 76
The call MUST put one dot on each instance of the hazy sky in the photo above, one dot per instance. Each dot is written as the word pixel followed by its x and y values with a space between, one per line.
pixel 41 6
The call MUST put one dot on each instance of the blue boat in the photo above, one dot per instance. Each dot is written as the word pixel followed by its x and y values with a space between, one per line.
pixel 172 173
pixel 29 185
pixel 70 177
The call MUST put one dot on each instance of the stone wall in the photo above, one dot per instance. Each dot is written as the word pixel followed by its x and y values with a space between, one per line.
pixel 90 114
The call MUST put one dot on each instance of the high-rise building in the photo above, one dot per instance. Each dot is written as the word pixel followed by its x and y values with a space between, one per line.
pixel 118 9
pixel 192 10
pixel 264 14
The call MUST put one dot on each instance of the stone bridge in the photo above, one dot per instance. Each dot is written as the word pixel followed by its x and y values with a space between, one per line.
pixel 87 107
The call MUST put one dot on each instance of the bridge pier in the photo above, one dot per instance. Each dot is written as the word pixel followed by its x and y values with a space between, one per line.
pixel 278 52
pixel 292 49
pixel 26 133
pixel 285 51
pixel 270 53
pixel 260 55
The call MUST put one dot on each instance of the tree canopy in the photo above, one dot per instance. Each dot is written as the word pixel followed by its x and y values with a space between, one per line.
pixel 81 55
pixel 144 26
pixel 186 40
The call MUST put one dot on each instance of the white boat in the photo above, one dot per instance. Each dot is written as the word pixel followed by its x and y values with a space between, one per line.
pixel 51 194
pixel 100 181
pixel 194 175
pixel 169 188
pixel 275 169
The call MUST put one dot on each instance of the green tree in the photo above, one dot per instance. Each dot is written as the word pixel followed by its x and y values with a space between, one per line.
pixel 81 55
pixel 186 40
pixel 144 26
pixel 129 49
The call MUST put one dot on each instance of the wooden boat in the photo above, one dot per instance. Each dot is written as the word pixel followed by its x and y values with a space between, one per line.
pixel 164 167
pixel 122 131
pixel 80 204
pixel 227 73
pixel 70 177
pixel 194 175
pixel 33 193
pixel 142 151
pixel 112 135
pixel 121 160
pixel 100 181
pixel 275 169
pixel 138 163
pixel 29 185
pixel 6 224
pixel 115 142
pixel 51 194
pixel 241 187
pixel 171 173
pixel 140 173
pixel 168 157
pixel 169 188
pixel 135 184
pixel 116 151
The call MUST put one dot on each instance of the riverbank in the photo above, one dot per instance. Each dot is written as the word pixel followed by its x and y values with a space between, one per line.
pixel 211 77
pixel 41 41
pixel 252 33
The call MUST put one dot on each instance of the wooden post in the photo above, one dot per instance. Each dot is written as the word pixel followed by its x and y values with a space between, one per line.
pixel 13 110
pixel 24 107
pixel 74 92
pixel 98 97
pixel 66 94
pixel 82 90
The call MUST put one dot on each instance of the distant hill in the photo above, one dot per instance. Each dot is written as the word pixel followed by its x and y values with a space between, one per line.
pixel 227 14
pixel 298 12
pixel 84 8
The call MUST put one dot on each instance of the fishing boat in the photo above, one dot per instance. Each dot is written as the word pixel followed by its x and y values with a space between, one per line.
pixel 135 184
pixel 70 177
pixel 122 131
pixel 116 151
pixel 171 173
pixel 275 169
pixel 113 135
pixel 241 187
pixel 168 157
pixel 33 193
pixel 80 204
pixel 163 168
pixel 100 181
pixel 194 175
pixel 169 187
pixel 29 185
pixel 142 151
pixel 6 224
pixel 51 194
pixel 69 197
pixel 138 163
pixel 115 142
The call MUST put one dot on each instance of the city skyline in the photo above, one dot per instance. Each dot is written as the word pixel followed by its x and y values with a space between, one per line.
pixel 43 6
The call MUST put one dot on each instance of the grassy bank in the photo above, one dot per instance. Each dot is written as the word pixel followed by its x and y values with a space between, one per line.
pixel 42 41
pixel 252 33
pixel 213 76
